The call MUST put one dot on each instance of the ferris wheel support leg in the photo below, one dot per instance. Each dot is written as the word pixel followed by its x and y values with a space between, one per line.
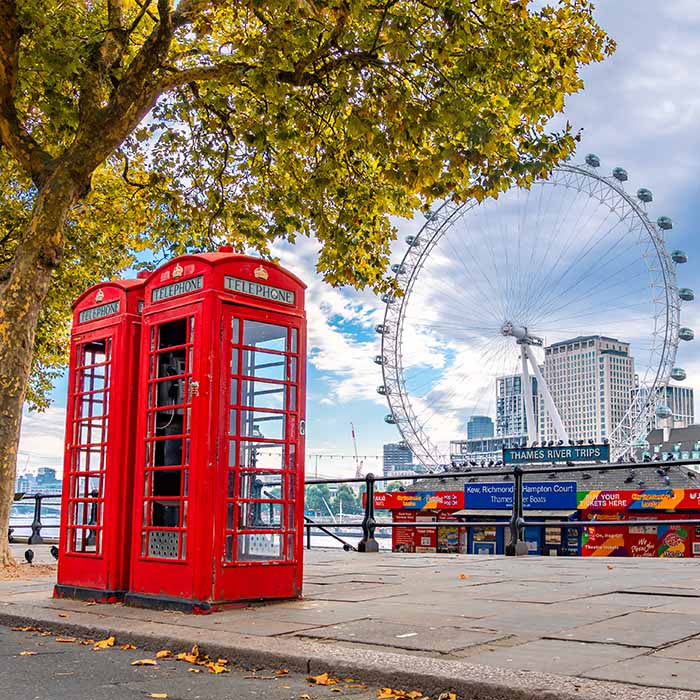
pixel 528 398
pixel 548 400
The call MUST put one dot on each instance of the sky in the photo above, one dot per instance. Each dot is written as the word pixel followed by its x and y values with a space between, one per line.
pixel 640 110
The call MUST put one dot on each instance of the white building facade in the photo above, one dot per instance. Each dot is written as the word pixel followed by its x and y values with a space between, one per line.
pixel 510 407
pixel 591 379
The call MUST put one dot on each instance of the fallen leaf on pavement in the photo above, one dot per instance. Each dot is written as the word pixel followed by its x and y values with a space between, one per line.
pixel 305 696
pixel 164 654
pixel 355 685
pixel 217 668
pixel 104 643
pixel 463 576
pixel 447 696
pixel 127 647
pixel 610 567
pixel 27 653
pixel 66 640
pixel 323 679
pixel 62 615
pixel 282 671
pixel 391 694
pixel 144 662
pixel 158 695
pixel 194 670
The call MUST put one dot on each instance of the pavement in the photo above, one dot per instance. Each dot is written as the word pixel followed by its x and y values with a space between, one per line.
pixel 485 628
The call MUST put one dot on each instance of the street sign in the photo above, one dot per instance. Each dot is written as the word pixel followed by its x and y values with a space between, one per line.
pixel 538 495
pixel 572 453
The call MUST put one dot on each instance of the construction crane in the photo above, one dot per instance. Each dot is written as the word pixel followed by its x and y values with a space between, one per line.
pixel 358 463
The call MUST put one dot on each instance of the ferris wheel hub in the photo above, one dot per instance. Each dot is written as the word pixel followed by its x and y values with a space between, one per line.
pixel 520 333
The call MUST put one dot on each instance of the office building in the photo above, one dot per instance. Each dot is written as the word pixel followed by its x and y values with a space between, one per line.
pixel 479 427
pixel 511 420
pixel 680 400
pixel 591 380
pixel 397 459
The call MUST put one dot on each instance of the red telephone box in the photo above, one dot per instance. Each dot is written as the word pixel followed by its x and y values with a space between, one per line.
pixel 219 484
pixel 93 561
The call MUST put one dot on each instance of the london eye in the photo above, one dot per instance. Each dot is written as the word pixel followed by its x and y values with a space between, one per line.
pixel 490 288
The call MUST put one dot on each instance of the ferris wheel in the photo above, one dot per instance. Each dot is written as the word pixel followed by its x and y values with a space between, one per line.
pixel 567 289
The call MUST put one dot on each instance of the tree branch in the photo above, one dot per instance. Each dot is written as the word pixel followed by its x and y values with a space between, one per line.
pixel 13 135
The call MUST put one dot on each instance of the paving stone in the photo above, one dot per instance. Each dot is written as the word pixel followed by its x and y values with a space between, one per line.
pixel 554 656
pixel 629 600
pixel 653 671
pixel 419 637
pixel 689 650
pixel 686 606
pixel 646 629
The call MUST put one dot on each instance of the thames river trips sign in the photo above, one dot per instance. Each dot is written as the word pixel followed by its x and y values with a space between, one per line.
pixel 563 453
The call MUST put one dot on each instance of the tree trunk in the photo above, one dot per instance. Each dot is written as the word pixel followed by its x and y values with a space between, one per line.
pixel 23 287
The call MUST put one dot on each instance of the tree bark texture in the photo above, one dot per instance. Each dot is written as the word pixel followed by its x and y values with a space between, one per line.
pixel 23 288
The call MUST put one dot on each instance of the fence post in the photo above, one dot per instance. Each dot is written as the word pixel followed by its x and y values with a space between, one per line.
pixel 369 524
pixel 520 547
pixel 308 537
pixel 35 537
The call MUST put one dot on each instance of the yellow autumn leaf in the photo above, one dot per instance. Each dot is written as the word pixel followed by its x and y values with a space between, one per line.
pixel 217 668
pixel 195 670
pixel 127 647
pixel 65 640
pixel 392 694
pixel 27 653
pixel 144 662
pixel 305 696
pixel 164 654
pixel 158 695
pixel 104 643
pixel 463 576
pixel 323 679
pixel 282 671
pixel 447 696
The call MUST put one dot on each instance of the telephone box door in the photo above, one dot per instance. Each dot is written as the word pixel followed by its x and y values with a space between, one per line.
pixel 263 431
pixel 169 406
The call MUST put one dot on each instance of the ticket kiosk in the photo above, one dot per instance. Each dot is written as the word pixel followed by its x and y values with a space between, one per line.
pixel 219 484
pixel 96 517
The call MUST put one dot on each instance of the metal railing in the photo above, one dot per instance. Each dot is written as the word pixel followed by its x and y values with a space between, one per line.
pixel 34 529
pixel 369 524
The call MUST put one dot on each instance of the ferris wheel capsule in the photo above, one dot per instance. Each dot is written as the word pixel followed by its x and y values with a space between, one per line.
pixel 679 256
pixel 593 160
pixel 389 418
pixel 381 328
pixel 398 269
pixel 413 241
pixel 678 374
pixel 379 360
pixel 663 412
pixel 644 195
pixel 620 174
pixel 388 299
pixel 686 294
pixel 686 333
pixel 383 390
pixel 665 223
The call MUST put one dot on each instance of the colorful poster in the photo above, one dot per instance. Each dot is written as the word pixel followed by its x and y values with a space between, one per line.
pixel 426 538
pixel 447 537
pixel 647 499
pixel 419 500
pixel 673 541
pixel 403 539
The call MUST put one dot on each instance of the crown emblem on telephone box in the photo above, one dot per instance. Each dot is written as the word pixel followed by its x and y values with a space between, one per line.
pixel 99 296
pixel 177 271
pixel 260 273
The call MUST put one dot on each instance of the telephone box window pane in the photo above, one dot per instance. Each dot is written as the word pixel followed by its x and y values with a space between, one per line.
pixel 261 485
pixel 166 483
pixel 292 398
pixel 235 325
pixel 171 363
pixel 229 547
pixel 263 425
pixel 232 424
pixel 261 455
pixel 263 365
pixel 234 361
pixel 166 513
pixel 260 516
pixel 172 333
pixel 263 395
pixel 292 374
pixel 265 336
pixel 167 453
pixel 294 340
pixel 233 396
pixel 229 516
pixel 290 547
pixel 259 547
pixel 94 352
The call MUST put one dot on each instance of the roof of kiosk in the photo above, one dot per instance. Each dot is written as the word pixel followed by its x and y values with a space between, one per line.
pixel 123 285
pixel 225 256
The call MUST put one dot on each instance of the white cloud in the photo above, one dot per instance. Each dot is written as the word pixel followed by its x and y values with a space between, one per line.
pixel 42 439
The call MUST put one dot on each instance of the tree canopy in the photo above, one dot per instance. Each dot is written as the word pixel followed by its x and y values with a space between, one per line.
pixel 174 126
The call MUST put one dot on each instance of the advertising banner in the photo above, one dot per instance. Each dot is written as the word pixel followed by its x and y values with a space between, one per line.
pixel 646 499
pixel 403 539
pixel 537 495
pixel 419 500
